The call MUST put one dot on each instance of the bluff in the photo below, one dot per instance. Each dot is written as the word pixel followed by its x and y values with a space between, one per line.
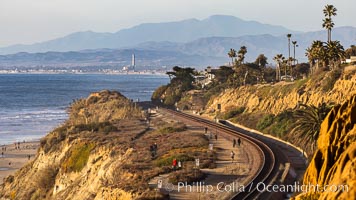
pixel 333 163
pixel 109 148
pixel 82 159
pixel 275 98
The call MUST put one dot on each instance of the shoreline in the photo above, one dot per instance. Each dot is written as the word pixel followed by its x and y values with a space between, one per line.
pixel 13 159
pixel 86 73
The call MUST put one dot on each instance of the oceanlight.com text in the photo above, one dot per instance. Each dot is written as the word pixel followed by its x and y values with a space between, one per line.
pixel 236 187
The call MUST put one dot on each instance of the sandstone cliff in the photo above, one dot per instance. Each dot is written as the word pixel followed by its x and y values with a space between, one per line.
pixel 103 152
pixel 281 96
pixel 81 159
pixel 333 163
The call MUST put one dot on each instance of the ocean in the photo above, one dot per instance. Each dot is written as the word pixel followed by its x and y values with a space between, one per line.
pixel 31 105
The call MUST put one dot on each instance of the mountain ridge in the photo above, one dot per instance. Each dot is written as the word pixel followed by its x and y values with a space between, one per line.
pixel 177 31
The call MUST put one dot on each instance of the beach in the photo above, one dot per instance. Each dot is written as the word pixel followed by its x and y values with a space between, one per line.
pixel 14 158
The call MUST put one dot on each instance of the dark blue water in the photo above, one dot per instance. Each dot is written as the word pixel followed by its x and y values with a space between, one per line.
pixel 33 104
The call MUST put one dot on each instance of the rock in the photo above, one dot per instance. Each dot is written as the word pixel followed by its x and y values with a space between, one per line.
pixel 334 162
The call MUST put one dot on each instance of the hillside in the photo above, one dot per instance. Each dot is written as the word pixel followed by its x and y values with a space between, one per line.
pixel 103 152
pixel 271 108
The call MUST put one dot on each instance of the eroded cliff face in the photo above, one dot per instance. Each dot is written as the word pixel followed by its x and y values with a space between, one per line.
pixel 281 96
pixel 85 157
pixel 334 162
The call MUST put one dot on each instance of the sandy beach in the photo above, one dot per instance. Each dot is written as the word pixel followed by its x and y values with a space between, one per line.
pixel 14 158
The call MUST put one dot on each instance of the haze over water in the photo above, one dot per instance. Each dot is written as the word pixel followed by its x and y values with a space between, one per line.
pixel 33 104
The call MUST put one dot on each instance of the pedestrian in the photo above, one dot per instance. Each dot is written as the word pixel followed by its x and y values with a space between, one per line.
pixel 233 143
pixel 29 157
pixel 152 151
pixel 206 130
pixel 232 156
pixel 216 136
pixel 2 154
pixel 155 148
pixel 238 141
pixel 174 163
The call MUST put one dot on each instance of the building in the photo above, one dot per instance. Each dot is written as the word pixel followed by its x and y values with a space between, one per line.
pixel 133 62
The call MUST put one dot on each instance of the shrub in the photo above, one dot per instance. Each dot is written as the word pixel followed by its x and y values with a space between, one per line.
pixel 78 158
pixel 265 122
pixel 158 92
pixel 177 127
pixel 189 176
pixel 102 127
pixel 46 177
pixel 232 112
pixel 329 82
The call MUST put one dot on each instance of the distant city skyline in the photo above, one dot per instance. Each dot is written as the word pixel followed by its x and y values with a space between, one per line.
pixel 28 22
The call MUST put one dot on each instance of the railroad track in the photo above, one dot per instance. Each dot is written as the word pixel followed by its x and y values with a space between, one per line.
pixel 267 171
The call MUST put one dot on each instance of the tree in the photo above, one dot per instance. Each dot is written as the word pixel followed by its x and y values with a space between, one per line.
pixel 288 36
pixel 223 73
pixel 232 54
pixel 279 60
pixel 335 53
pixel 261 61
pixel 241 54
pixel 294 45
pixel 183 77
pixel 317 55
pixel 329 11
pixel 350 51
pixel 308 122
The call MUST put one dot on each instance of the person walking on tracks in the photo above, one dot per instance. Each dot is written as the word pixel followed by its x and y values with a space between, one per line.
pixel 232 156
pixel 238 141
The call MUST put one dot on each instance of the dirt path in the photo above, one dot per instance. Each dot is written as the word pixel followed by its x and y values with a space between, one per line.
pixel 221 181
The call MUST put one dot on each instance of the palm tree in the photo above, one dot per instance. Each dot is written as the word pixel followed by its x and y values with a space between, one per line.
pixel 308 122
pixel 232 54
pixel 289 36
pixel 318 54
pixel 328 24
pixel 279 60
pixel 329 11
pixel 241 54
pixel 335 53
pixel 294 45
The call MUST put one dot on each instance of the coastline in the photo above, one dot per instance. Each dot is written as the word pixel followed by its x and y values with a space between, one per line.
pixel 80 73
pixel 13 159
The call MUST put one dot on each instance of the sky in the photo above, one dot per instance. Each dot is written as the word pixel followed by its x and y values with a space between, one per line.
pixel 31 21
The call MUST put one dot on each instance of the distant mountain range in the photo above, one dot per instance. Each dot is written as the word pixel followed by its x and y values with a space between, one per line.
pixel 190 42
pixel 181 31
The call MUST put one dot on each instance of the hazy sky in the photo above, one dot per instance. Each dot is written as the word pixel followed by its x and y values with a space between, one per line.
pixel 29 21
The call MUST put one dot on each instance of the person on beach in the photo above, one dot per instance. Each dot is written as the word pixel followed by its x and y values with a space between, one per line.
pixel 238 141
pixel 232 156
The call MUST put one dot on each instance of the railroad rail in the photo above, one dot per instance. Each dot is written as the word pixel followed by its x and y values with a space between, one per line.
pixel 267 172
